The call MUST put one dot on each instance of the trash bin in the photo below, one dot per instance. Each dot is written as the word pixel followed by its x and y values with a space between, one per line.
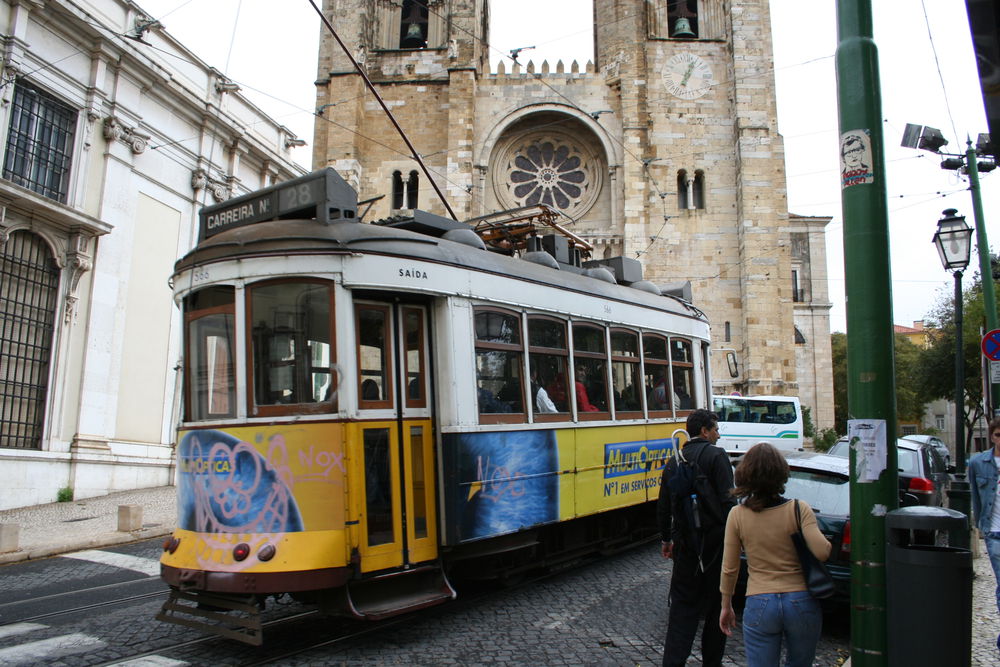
pixel 928 588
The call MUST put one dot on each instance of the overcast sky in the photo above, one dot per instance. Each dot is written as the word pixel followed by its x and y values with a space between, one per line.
pixel 928 77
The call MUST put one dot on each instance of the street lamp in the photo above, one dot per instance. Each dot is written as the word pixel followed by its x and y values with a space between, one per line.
pixel 954 244
pixel 931 139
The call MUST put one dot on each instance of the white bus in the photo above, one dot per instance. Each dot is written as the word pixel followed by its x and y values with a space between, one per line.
pixel 746 420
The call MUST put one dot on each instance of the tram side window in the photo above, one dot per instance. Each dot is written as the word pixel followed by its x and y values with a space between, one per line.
pixel 590 362
pixel 291 338
pixel 625 371
pixel 682 364
pixel 210 368
pixel 374 362
pixel 657 364
pixel 499 382
pixel 549 363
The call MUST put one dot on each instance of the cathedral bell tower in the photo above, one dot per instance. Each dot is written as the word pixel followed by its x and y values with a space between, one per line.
pixel 424 56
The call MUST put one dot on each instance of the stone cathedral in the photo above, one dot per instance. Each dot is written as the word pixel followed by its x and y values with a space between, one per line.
pixel 666 150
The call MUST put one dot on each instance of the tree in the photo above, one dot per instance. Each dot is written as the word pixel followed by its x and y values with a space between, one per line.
pixel 938 360
pixel 911 393
pixel 838 349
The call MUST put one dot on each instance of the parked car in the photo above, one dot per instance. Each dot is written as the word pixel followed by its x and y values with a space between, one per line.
pixel 923 474
pixel 936 443
pixel 822 481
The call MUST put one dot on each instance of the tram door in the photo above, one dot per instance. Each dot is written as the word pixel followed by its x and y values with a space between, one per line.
pixel 393 454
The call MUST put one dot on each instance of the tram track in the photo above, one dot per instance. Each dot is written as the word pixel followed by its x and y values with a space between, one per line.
pixel 8 610
pixel 284 635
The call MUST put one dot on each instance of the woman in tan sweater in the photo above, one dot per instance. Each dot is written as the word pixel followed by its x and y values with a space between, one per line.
pixel 778 605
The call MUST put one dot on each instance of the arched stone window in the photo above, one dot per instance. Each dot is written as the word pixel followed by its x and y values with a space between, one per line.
pixel 690 191
pixel 29 284
pixel 682 18
pixel 410 24
pixel 682 189
pixel 413 27
pixel 404 193
pixel 698 190
pixel 799 338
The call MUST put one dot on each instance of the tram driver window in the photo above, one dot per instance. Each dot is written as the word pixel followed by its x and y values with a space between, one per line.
pixel 211 382
pixel 291 343
pixel 499 381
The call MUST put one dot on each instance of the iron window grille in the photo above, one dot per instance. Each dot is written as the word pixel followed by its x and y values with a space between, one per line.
pixel 29 282
pixel 40 143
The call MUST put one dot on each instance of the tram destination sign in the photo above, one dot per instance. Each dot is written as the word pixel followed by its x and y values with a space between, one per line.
pixel 322 195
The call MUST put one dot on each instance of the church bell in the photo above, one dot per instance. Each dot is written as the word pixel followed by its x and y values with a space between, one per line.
pixel 414 38
pixel 682 28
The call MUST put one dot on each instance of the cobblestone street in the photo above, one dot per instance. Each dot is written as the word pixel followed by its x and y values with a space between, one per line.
pixel 612 612
pixel 985 619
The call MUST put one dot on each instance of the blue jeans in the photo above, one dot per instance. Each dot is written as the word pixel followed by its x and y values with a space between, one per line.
pixel 993 549
pixel 769 617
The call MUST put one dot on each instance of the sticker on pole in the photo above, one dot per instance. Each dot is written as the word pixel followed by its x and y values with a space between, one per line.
pixel 856 159
pixel 991 345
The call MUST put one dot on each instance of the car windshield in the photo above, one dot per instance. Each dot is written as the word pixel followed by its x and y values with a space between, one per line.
pixel 826 493
pixel 840 448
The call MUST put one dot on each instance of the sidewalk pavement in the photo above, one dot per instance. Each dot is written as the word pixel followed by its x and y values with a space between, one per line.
pixel 57 528
pixel 92 523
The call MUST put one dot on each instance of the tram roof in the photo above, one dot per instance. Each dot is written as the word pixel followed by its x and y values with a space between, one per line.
pixel 311 237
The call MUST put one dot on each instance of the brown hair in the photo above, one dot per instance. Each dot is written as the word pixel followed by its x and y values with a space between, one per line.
pixel 994 425
pixel 761 476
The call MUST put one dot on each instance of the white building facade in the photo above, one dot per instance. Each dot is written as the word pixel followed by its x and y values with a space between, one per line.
pixel 114 136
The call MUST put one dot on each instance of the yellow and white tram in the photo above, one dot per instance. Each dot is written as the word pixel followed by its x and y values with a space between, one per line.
pixel 372 408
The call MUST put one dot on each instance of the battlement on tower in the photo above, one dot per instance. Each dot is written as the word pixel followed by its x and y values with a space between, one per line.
pixel 517 71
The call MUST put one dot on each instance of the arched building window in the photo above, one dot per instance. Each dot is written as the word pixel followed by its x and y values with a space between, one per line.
pixel 698 190
pixel 404 193
pixel 690 191
pixel 413 27
pixel 683 18
pixel 29 284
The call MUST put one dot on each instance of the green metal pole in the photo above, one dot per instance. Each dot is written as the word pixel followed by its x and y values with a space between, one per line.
pixel 985 267
pixel 871 392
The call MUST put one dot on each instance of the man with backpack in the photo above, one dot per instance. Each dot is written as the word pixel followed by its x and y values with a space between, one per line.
pixel 693 505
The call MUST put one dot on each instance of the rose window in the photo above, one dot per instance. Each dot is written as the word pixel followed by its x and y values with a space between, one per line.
pixel 550 168
pixel 548 174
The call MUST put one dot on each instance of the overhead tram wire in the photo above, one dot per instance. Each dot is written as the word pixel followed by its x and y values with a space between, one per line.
pixel 385 109
pixel 937 65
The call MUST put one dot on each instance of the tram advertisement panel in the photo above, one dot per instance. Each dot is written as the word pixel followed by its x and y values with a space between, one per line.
pixel 267 479
pixel 501 482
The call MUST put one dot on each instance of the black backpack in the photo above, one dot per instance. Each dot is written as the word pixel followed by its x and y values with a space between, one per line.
pixel 696 505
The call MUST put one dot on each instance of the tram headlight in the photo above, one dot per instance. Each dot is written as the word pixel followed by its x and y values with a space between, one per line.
pixel 266 552
pixel 241 551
